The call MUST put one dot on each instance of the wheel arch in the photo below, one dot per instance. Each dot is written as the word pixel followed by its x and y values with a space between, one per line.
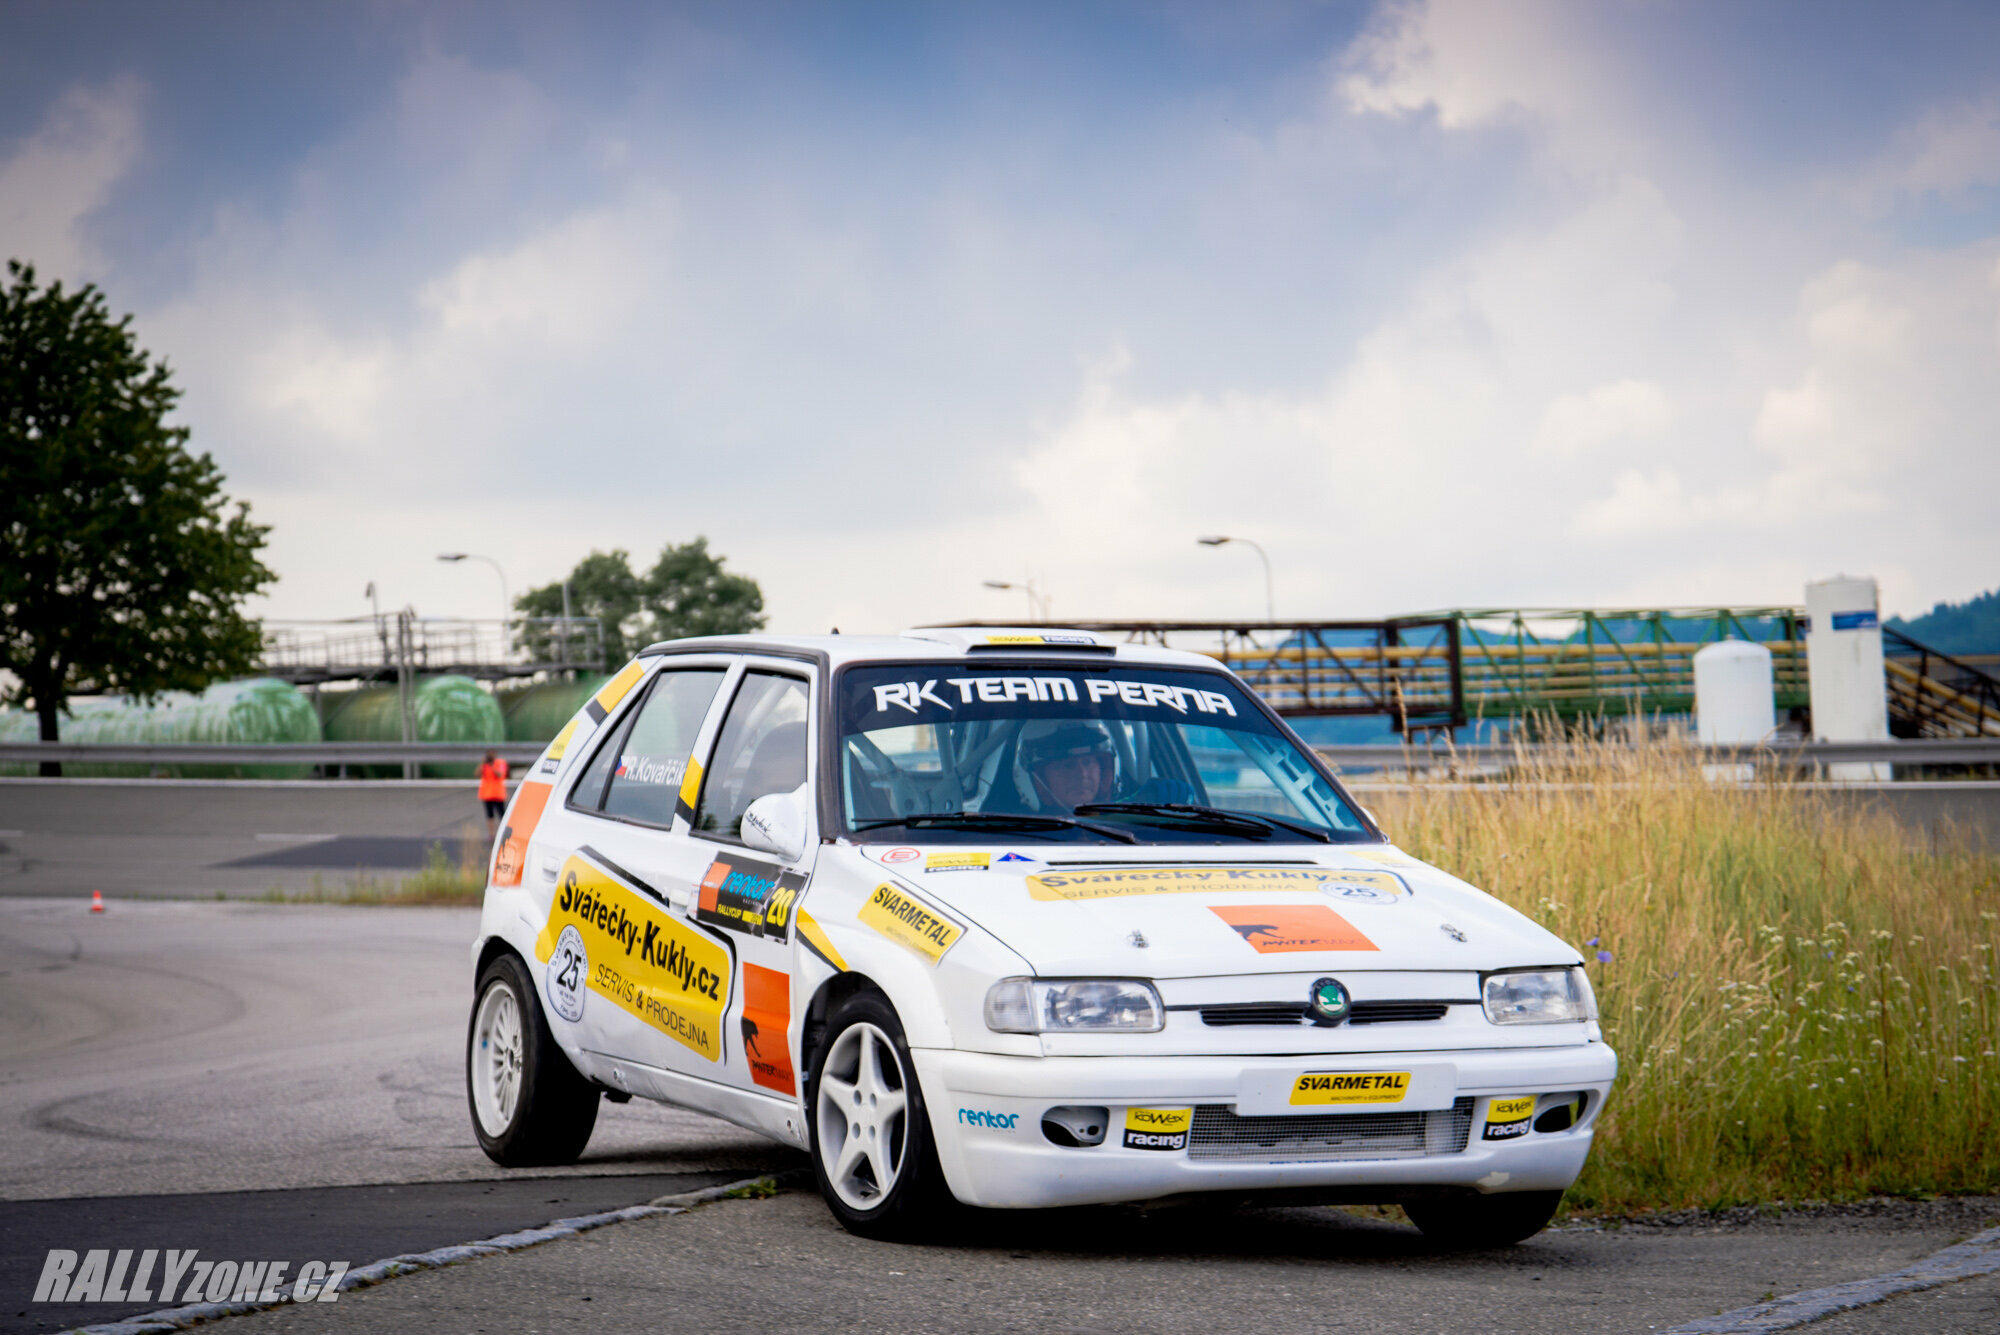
pixel 491 949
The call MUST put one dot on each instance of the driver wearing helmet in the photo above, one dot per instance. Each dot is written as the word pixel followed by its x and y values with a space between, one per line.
pixel 1061 765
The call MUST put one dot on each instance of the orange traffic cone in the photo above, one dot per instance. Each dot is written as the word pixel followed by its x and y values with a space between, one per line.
pixel 97 901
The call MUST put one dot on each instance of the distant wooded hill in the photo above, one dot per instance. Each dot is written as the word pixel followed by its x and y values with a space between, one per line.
pixel 1970 627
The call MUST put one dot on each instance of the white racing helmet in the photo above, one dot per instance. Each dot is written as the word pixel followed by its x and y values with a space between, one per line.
pixel 1044 740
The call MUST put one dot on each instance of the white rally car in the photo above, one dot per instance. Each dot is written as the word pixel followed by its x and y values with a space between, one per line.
pixel 1016 919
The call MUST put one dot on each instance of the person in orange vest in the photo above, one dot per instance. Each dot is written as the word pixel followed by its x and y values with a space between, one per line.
pixel 493 791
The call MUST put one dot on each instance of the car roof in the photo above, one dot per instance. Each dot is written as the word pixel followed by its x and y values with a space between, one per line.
pixel 981 644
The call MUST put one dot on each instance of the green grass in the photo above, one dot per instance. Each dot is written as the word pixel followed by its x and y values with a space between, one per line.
pixel 761 1189
pixel 1802 997
pixel 441 881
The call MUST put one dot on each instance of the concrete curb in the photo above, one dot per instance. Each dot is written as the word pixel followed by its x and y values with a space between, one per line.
pixel 1977 1255
pixel 366 1276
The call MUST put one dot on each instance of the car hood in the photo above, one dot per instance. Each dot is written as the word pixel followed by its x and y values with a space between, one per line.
pixel 1202 912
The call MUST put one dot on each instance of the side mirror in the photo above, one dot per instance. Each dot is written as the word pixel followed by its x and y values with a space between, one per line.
pixel 776 823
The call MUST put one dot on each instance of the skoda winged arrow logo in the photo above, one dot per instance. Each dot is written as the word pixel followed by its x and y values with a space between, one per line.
pixel 1327 1001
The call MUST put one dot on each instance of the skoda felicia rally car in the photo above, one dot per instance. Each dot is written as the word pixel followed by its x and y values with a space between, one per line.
pixel 1016 919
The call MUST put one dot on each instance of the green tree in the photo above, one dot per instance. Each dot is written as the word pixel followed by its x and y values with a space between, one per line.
pixel 687 592
pixel 602 586
pixel 122 565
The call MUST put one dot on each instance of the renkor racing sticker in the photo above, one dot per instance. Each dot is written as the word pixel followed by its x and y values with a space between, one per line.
pixel 640 957
pixel 909 921
pixel 1507 1118
pixel 744 895
pixel 1157 1128
pixel 1281 929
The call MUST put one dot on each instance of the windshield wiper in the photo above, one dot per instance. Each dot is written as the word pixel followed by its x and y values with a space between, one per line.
pixel 1215 817
pixel 1002 820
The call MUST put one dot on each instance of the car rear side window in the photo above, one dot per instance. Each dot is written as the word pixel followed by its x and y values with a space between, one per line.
pixel 763 749
pixel 637 773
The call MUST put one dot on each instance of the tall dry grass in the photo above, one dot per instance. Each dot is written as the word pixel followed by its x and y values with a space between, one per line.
pixel 1801 991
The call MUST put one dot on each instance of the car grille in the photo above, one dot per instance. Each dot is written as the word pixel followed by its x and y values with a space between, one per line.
pixel 1290 1013
pixel 1218 1133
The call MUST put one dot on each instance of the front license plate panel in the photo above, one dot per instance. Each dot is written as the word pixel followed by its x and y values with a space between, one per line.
pixel 1429 1087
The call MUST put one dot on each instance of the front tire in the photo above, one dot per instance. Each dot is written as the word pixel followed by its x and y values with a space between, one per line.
pixel 1484 1221
pixel 530 1108
pixel 872 1152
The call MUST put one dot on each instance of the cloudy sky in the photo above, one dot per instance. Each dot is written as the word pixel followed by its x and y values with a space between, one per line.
pixel 1446 304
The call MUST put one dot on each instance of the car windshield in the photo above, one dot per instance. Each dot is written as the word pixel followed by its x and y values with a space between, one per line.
pixel 967 753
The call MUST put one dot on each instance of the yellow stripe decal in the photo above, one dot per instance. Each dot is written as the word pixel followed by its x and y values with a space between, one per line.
pixel 619 686
pixel 814 936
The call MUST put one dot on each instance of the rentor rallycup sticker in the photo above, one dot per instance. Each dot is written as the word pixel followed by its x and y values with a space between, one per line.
pixel 744 895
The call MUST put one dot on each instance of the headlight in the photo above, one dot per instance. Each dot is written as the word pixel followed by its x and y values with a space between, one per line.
pixel 1539 996
pixel 1070 1005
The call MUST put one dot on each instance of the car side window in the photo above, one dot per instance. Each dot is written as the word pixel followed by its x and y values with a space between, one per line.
pixel 636 774
pixel 764 748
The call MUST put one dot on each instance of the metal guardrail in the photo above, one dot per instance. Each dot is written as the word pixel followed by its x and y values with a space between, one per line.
pixel 300 753
pixel 1915 751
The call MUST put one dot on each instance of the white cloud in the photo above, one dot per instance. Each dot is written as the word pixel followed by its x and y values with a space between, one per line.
pixel 1622 410
pixel 1946 151
pixel 1570 368
pixel 55 178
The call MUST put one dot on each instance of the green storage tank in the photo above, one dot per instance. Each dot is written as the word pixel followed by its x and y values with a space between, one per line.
pixel 537 713
pixel 446 709
pixel 259 710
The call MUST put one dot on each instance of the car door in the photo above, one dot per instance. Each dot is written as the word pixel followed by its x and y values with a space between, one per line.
pixel 763 746
pixel 659 985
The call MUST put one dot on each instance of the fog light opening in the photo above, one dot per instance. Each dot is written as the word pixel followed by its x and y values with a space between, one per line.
pixel 1559 1112
pixel 1075 1128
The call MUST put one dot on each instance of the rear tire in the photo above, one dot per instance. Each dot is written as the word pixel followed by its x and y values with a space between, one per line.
pixel 1484 1221
pixel 529 1106
pixel 872 1152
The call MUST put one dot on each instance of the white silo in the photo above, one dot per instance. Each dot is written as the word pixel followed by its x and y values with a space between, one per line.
pixel 1850 694
pixel 1734 704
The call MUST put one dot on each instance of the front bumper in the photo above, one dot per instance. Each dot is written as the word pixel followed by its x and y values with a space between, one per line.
pixel 986 1115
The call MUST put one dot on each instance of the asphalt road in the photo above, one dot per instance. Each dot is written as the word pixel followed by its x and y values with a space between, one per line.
pixel 170 1054
pixel 181 839
pixel 162 1059
pixel 783 1265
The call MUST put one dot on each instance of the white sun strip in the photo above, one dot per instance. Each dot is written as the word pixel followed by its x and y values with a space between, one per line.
pixel 1975 1256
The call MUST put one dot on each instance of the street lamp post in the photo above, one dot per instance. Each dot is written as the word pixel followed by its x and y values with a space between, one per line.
pixel 1270 606
pixel 1037 606
pixel 506 603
